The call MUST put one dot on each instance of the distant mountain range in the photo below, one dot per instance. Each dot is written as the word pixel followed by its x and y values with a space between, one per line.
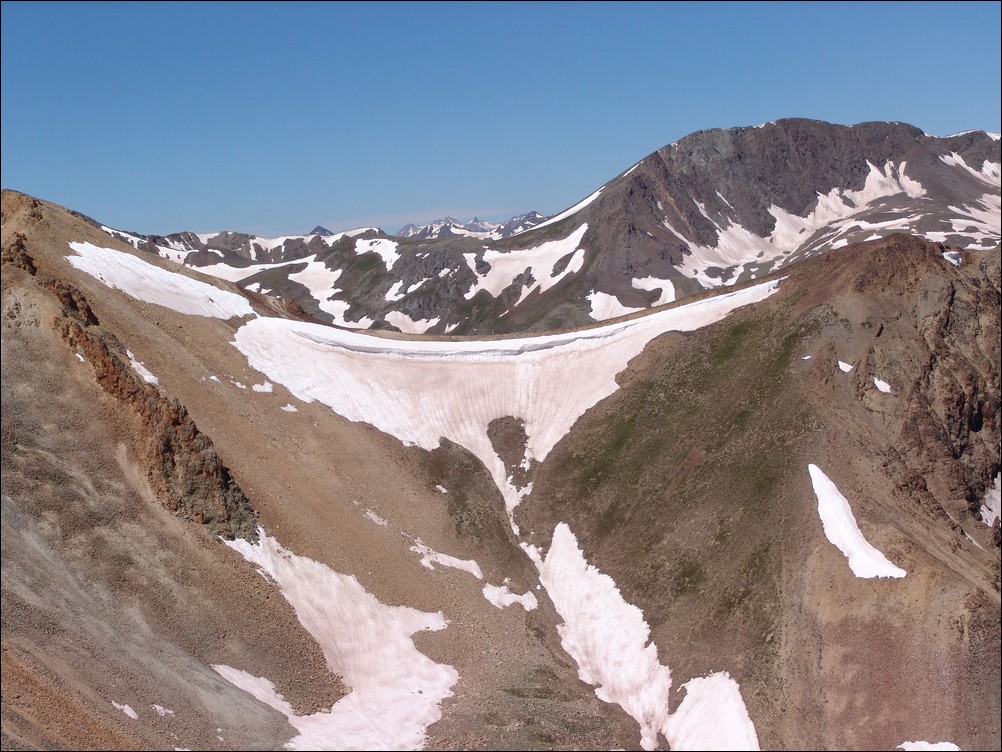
pixel 712 209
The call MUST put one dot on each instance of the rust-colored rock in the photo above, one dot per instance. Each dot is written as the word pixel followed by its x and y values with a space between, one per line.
pixel 182 466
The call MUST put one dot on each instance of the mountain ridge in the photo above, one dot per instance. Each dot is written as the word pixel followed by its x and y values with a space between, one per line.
pixel 712 208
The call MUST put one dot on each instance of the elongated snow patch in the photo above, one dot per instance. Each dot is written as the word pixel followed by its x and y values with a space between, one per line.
pixel 151 284
pixel 396 690
pixel 610 641
pixel 841 529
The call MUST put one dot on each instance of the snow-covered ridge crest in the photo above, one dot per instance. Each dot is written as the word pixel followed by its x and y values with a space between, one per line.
pixel 177 246
pixel 573 210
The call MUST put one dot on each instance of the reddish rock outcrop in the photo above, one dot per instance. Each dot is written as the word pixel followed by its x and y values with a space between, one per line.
pixel 182 465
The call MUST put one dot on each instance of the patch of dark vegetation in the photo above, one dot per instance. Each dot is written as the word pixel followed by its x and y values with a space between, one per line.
pixel 688 576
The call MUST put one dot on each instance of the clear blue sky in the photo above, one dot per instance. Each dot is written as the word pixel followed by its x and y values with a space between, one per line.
pixel 272 118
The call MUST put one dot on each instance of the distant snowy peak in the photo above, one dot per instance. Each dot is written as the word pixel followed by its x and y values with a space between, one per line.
pixel 450 227
pixel 444 227
pixel 321 230
pixel 520 224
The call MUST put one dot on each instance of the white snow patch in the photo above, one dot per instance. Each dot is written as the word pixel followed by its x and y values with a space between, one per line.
pixel 609 640
pixel 605 306
pixel 666 286
pixel 882 385
pixel 843 532
pixel 81 358
pixel 806 357
pixel 289 408
pixel 441 489
pixel 128 237
pixel 506 265
pixel 142 370
pixel 406 324
pixel 502 597
pixel 695 724
pixel 423 390
pixel 982 222
pixel 397 290
pixel 161 710
pixel 338 309
pixel 151 284
pixel 394 294
pixel 737 246
pixel 989 172
pixel 844 366
pixel 387 250
pixel 430 558
pixel 353 233
pixel 396 690
pixel 318 279
pixel 952 256
pixel 376 518
pixel 127 709
pixel 945 746
pixel 573 210
pixel 264 387
pixel 991 505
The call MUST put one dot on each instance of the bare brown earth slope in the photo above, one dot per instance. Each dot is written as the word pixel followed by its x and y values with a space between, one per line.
pixel 689 486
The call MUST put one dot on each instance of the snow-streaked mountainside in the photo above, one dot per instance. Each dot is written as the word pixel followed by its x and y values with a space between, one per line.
pixel 763 515
pixel 712 209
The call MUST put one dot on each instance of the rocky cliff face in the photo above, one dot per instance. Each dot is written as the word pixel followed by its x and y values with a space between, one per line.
pixel 183 467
